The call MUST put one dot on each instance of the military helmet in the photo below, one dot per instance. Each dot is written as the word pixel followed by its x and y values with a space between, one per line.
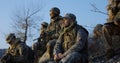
pixel 44 23
pixel 70 15
pixel 10 37
pixel 56 10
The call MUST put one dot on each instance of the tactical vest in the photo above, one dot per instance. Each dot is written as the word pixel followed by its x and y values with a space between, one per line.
pixel 71 37
pixel 13 51
pixel 54 27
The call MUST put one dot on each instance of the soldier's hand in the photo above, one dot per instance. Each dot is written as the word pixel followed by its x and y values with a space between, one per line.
pixel 58 56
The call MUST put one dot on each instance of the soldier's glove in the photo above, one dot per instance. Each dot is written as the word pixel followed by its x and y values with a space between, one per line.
pixel 110 53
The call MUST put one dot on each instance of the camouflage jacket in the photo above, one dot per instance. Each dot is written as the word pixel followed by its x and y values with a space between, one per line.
pixel 43 36
pixel 19 53
pixel 73 39
pixel 54 27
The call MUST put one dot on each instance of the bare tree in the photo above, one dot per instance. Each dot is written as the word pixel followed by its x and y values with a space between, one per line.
pixel 26 21
pixel 95 9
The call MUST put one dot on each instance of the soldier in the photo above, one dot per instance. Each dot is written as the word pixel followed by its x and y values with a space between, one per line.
pixel 111 30
pixel 71 46
pixel 40 46
pixel 53 33
pixel 18 52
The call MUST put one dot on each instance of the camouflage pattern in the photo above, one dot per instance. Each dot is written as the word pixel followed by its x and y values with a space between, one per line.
pixel 54 28
pixel 10 37
pixel 53 33
pixel 40 46
pixel 17 53
pixel 55 24
pixel 72 42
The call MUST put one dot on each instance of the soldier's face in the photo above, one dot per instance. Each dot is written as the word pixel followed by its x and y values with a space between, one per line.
pixel 66 22
pixel 52 14
pixel 41 26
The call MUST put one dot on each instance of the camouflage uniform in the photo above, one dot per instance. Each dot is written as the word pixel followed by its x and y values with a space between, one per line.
pixel 18 52
pixel 53 33
pixel 40 46
pixel 72 42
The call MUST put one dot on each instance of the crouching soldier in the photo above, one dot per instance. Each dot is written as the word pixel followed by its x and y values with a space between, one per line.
pixel 18 52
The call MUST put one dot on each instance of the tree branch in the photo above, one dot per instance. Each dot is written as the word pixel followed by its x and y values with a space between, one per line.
pixel 26 30
pixel 95 9
pixel 33 13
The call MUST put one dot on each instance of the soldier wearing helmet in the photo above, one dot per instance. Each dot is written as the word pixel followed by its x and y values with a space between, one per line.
pixel 18 52
pixel 53 33
pixel 40 46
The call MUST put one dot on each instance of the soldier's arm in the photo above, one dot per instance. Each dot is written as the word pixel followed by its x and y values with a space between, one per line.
pixel 58 45
pixel 81 40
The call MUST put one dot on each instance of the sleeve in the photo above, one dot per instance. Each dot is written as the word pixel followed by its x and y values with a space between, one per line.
pixel 58 45
pixel 81 40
